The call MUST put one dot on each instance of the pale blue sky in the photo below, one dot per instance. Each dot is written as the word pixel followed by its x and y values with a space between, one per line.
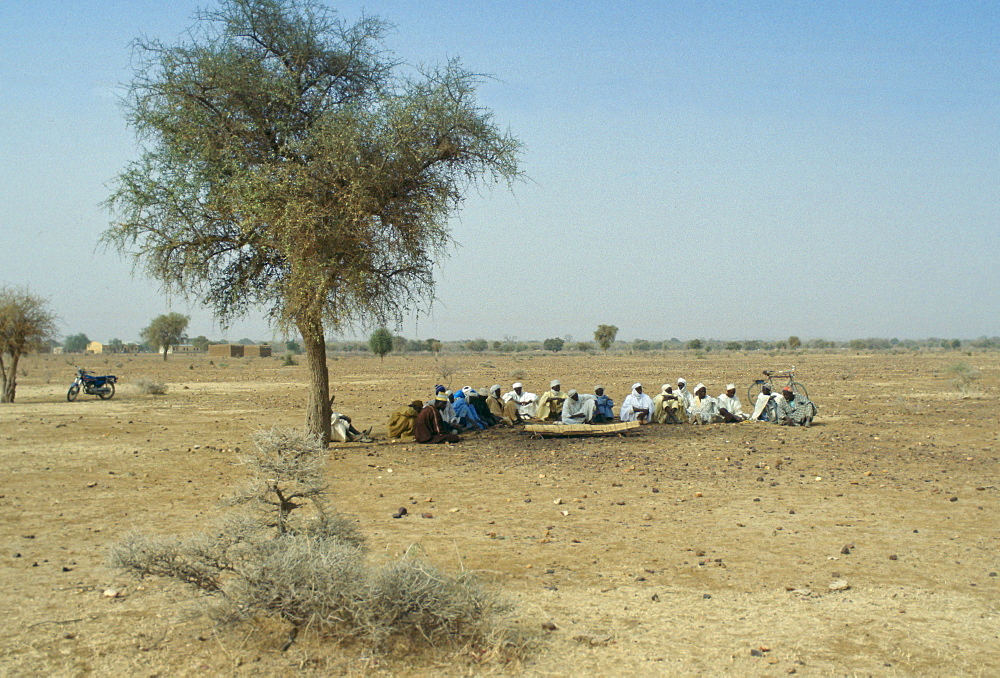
pixel 717 169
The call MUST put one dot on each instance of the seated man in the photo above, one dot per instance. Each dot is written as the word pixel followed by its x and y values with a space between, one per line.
pixel 466 414
pixel 637 406
pixel 343 431
pixel 764 408
pixel 605 405
pixel 551 402
pixel 730 406
pixel 477 400
pixel 402 420
pixel 578 409
pixel 794 409
pixel 667 406
pixel 505 411
pixel 683 393
pixel 704 408
pixel 527 403
pixel 429 427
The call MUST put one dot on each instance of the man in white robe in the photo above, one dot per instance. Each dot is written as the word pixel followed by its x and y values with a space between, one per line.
pixel 704 408
pixel 527 403
pixel 551 402
pixel 683 393
pixel 763 409
pixel 730 406
pixel 637 406
pixel 579 409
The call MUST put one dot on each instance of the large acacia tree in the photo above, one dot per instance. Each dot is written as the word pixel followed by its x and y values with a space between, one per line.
pixel 25 323
pixel 290 163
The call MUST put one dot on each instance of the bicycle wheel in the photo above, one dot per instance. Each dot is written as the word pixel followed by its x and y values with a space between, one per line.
pixel 754 391
pixel 799 389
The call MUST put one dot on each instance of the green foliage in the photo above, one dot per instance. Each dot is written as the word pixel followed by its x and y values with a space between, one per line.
pixel 293 347
pixel 165 331
pixel 201 342
pixel 76 343
pixel 26 323
pixel 380 343
pixel 431 343
pixel 605 335
pixel 734 346
pixel 290 162
pixel 696 344
pixel 641 345
pixel 794 342
pixel 584 346
pixel 477 345
pixel 554 344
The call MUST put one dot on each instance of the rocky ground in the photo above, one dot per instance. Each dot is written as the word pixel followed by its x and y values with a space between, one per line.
pixel 867 544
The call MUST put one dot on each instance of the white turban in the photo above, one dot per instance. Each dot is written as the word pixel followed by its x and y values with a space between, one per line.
pixel 636 385
pixel 554 383
pixel 681 380
pixel 494 388
pixel 572 392
pixel 517 384
pixel 700 385
pixel 730 387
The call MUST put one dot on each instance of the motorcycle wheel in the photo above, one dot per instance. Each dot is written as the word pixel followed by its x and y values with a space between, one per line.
pixel 73 392
pixel 107 392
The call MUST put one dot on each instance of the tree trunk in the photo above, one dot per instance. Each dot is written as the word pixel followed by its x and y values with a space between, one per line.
pixel 165 349
pixel 8 379
pixel 318 410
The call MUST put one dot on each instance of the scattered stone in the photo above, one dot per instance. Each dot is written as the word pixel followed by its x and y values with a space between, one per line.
pixel 756 653
pixel 805 593
pixel 839 585
pixel 846 550
pixel 549 626
pixel 400 513
pixel 647 516
pixel 426 515
pixel 953 499
pixel 655 598
pixel 92 483
pixel 893 557
pixel 111 593
pixel 454 510
pixel 557 502
pixel 565 513
pixel 698 494
pixel 706 596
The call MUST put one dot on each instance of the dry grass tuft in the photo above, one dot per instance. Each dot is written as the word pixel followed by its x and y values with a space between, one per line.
pixel 147 386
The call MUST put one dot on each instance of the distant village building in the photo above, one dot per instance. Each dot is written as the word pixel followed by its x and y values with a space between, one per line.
pixel 185 348
pixel 226 350
pixel 258 351
pixel 95 347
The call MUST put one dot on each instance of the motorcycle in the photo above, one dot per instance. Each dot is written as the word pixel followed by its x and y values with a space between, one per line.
pixel 103 387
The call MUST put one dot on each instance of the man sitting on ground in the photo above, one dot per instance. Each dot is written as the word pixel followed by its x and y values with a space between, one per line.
pixel 467 416
pixel 794 409
pixel 667 406
pixel 505 411
pixel 579 409
pixel 704 408
pixel 429 428
pixel 402 420
pixel 637 406
pixel 730 406
pixel 527 403
pixel 605 405
pixel 764 408
pixel 343 431
pixel 551 402
pixel 684 394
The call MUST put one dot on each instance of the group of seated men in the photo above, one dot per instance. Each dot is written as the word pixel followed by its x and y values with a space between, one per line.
pixel 449 413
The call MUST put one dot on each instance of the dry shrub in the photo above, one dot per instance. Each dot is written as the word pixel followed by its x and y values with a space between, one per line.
pixel 146 386
pixel 909 407
pixel 962 376
pixel 267 560
pixel 518 375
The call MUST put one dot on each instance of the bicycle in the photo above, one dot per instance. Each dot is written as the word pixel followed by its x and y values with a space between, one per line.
pixel 754 390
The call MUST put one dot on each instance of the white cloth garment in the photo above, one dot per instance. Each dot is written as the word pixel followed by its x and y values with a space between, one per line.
pixel 636 401
pixel 585 404
pixel 732 405
pixel 527 403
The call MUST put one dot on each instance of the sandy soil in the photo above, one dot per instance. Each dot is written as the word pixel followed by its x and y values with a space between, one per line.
pixel 683 550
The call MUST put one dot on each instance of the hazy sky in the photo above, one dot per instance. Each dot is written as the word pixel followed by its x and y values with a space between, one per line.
pixel 695 169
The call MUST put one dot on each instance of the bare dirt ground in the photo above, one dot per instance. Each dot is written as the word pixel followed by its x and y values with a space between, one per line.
pixel 674 551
